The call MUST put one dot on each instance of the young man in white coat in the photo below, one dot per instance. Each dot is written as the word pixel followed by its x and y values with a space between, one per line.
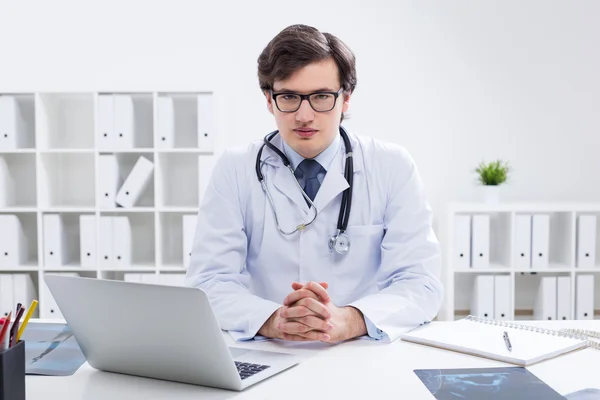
pixel 267 256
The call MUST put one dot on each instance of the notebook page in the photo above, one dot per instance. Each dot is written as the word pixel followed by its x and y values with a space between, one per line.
pixel 486 340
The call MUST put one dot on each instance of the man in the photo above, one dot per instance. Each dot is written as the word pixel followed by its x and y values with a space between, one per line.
pixel 261 255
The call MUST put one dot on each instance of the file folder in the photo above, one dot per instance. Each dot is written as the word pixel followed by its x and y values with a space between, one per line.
pixel 109 181
pixel 189 230
pixel 125 127
pixel 482 301
pixel 585 297
pixel 206 125
pixel 24 290
pixel 55 241
pixel 462 241
pixel 523 241
pixel 172 279
pixel 105 244
pixel 129 277
pixel 122 241
pixel 480 241
pixel 545 302
pixel 7 303
pixel 166 122
pixel 48 307
pixel 12 125
pixel 13 243
pixel 563 298
pixel 502 307
pixel 540 241
pixel 205 169
pixel 150 278
pixel 135 183
pixel 87 241
pixel 586 241
pixel 106 122
pixel 7 185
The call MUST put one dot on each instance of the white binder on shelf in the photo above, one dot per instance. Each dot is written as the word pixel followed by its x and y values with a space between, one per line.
pixel 135 183
pixel 176 279
pixel 108 176
pixel 480 241
pixel 205 169
pixel 7 185
pixel 13 243
pixel 462 241
pixel 48 307
pixel 502 296
pixel 105 242
pixel 87 241
pixel 149 278
pixel 482 301
pixel 131 277
pixel 24 290
pixel 206 123
pixel 523 241
pixel 125 123
pixel 166 122
pixel 584 305
pixel 563 298
pixel 586 241
pixel 540 240
pixel 189 230
pixel 106 122
pixel 122 241
pixel 545 302
pixel 12 126
pixel 6 295
pixel 55 241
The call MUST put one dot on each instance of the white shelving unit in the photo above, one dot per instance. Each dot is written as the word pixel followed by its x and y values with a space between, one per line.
pixel 54 169
pixel 562 256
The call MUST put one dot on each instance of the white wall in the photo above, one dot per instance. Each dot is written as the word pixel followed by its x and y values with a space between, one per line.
pixel 455 82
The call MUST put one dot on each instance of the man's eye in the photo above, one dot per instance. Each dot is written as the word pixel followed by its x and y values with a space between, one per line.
pixel 322 96
pixel 289 97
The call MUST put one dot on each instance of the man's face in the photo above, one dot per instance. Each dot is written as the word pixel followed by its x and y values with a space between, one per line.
pixel 307 131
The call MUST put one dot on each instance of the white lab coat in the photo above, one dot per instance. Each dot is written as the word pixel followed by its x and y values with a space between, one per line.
pixel 246 266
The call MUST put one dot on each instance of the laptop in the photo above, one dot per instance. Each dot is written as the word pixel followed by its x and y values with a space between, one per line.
pixel 156 331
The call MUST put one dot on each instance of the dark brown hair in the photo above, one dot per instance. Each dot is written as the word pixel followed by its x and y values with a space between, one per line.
pixel 300 45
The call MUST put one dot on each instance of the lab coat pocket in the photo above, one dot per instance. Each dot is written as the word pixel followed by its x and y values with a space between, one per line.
pixel 354 271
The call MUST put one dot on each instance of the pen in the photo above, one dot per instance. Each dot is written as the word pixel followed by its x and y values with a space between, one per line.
pixel 13 331
pixel 32 307
pixel 4 330
pixel 507 341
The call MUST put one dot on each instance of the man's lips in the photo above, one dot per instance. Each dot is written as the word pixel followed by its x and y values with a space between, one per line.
pixel 305 132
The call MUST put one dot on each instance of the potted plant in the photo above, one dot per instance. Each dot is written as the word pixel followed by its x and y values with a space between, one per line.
pixel 491 176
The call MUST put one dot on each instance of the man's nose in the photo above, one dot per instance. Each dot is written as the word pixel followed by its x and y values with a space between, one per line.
pixel 305 113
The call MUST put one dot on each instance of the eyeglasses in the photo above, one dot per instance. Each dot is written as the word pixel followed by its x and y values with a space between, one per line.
pixel 289 102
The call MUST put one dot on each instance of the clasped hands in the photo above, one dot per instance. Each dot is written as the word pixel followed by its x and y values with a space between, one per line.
pixel 308 314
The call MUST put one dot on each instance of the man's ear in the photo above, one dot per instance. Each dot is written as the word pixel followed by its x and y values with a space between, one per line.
pixel 269 101
pixel 346 102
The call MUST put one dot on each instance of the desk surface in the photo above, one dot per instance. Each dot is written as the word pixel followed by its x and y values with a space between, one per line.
pixel 360 368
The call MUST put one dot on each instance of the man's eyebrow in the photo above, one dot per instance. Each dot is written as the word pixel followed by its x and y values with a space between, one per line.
pixel 285 90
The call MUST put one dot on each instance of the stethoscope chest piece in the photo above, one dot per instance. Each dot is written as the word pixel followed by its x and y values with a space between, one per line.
pixel 340 242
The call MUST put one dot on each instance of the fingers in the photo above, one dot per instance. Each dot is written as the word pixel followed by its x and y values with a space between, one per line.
pixel 297 285
pixel 311 335
pixel 311 289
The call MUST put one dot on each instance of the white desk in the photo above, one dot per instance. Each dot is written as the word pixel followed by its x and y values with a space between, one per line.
pixel 357 369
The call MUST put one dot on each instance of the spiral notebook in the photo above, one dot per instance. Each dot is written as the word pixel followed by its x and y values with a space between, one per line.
pixel 484 337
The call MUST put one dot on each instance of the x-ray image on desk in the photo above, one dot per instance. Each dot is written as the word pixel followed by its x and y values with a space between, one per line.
pixel 51 349
pixel 510 383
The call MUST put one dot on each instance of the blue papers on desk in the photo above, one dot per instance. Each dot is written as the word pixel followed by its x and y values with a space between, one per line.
pixel 505 383
pixel 51 349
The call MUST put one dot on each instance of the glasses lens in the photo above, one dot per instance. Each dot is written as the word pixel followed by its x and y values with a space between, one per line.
pixel 288 102
pixel 322 101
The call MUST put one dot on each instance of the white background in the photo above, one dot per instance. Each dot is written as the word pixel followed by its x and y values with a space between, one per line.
pixel 454 82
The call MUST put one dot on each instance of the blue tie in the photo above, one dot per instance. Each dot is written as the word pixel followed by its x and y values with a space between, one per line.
pixel 306 173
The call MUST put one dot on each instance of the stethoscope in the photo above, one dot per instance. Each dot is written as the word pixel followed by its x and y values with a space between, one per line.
pixel 339 241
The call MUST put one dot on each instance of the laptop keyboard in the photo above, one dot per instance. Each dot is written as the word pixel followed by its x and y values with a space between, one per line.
pixel 246 369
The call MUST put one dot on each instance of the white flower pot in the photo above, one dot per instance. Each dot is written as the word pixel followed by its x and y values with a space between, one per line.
pixel 491 194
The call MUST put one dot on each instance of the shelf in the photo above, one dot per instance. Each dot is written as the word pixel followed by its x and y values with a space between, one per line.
pixel 74 209
pixel 174 192
pixel 124 210
pixel 184 151
pixel 179 209
pixel 17 180
pixel 126 151
pixel 67 180
pixel 69 268
pixel 66 121
pixel 29 267
pixel 172 268
pixel 492 270
pixel 67 151
pixel 132 268
pixel 17 122
pixel 17 151
pixel 547 207
pixel 12 210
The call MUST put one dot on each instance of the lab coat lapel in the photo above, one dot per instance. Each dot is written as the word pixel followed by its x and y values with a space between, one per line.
pixel 333 184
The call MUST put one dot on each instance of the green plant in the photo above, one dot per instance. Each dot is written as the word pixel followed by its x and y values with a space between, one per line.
pixel 493 173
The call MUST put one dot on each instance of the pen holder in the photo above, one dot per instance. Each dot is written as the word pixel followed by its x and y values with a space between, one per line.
pixel 12 372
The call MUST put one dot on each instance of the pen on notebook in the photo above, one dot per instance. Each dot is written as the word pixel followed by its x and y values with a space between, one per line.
pixel 4 331
pixel 507 341
pixel 32 307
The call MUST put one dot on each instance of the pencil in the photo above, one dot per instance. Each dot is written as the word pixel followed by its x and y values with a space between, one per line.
pixel 32 307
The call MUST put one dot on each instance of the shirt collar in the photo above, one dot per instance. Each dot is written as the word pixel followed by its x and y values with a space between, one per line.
pixel 325 158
